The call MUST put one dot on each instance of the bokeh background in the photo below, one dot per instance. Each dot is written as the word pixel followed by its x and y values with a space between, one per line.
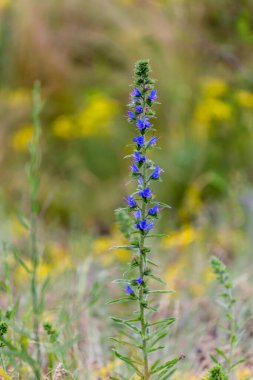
pixel 201 52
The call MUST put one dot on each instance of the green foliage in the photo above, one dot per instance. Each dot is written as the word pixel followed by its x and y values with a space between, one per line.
pixel 228 304
pixel 217 373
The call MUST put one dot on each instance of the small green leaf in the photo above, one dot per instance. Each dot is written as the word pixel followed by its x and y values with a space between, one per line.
pixel 16 254
pixel 168 365
pixel 127 324
pixel 221 353
pixel 160 291
pixel 122 299
pixel 129 362
pixel 167 321
pixel 237 363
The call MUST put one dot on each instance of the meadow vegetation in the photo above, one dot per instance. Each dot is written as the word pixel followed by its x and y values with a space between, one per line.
pixel 62 175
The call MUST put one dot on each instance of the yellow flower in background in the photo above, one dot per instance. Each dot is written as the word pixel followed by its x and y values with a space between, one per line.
pixel 96 117
pixel 63 127
pixel 214 87
pixel 184 376
pixel 102 246
pixel 245 98
pixel 244 374
pixel 212 109
pixel 174 272
pixel 106 370
pixel 182 238
pixel 192 203
pixel 17 228
pixel 4 3
pixel 21 138
pixel 18 96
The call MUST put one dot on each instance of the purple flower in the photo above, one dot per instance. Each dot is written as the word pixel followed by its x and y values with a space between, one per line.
pixel 129 290
pixel 139 109
pixel 131 202
pixel 152 141
pixel 136 92
pixel 152 96
pixel 156 173
pixel 140 140
pixel 137 214
pixel 140 180
pixel 145 193
pixel 139 280
pixel 144 226
pixel 134 169
pixel 131 115
pixel 143 124
pixel 153 210
pixel 138 157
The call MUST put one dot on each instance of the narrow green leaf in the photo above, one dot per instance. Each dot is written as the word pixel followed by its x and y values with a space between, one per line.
pixel 124 342
pixel 122 299
pixel 168 375
pixel 19 260
pixel 163 205
pixel 156 278
pixel 155 364
pixel 127 324
pixel 129 362
pixel 160 291
pixel 237 363
pixel 168 365
pixel 167 321
pixel 214 359
pixel 152 263
pixel 156 349
pixel 221 353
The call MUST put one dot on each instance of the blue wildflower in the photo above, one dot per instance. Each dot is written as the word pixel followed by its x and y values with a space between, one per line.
pixel 140 140
pixel 153 95
pixel 137 214
pixel 156 173
pixel 134 169
pixel 129 290
pixel 145 193
pixel 139 158
pixel 131 202
pixel 139 280
pixel 152 141
pixel 153 210
pixel 131 115
pixel 143 124
pixel 136 92
pixel 144 226
pixel 139 109
pixel 140 180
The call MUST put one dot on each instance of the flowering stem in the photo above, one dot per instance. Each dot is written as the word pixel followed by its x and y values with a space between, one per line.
pixel 142 296
pixel 33 177
pixel 143 212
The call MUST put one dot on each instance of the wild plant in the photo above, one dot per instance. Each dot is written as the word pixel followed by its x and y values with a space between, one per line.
pixel 145 333
pixel 227 301
pixel 217 373
pixel 15 343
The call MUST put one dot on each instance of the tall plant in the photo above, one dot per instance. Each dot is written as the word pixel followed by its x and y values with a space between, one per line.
pixel 145 332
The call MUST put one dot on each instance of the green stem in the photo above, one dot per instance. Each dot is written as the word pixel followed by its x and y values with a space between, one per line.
pixel 34 286
pixel 34 184
pixel 142 268
pixel 232 329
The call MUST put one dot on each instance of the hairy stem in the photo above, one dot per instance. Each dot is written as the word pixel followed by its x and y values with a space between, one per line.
pixel 142 296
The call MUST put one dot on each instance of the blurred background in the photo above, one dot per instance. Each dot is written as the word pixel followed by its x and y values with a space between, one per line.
pixel 83 52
